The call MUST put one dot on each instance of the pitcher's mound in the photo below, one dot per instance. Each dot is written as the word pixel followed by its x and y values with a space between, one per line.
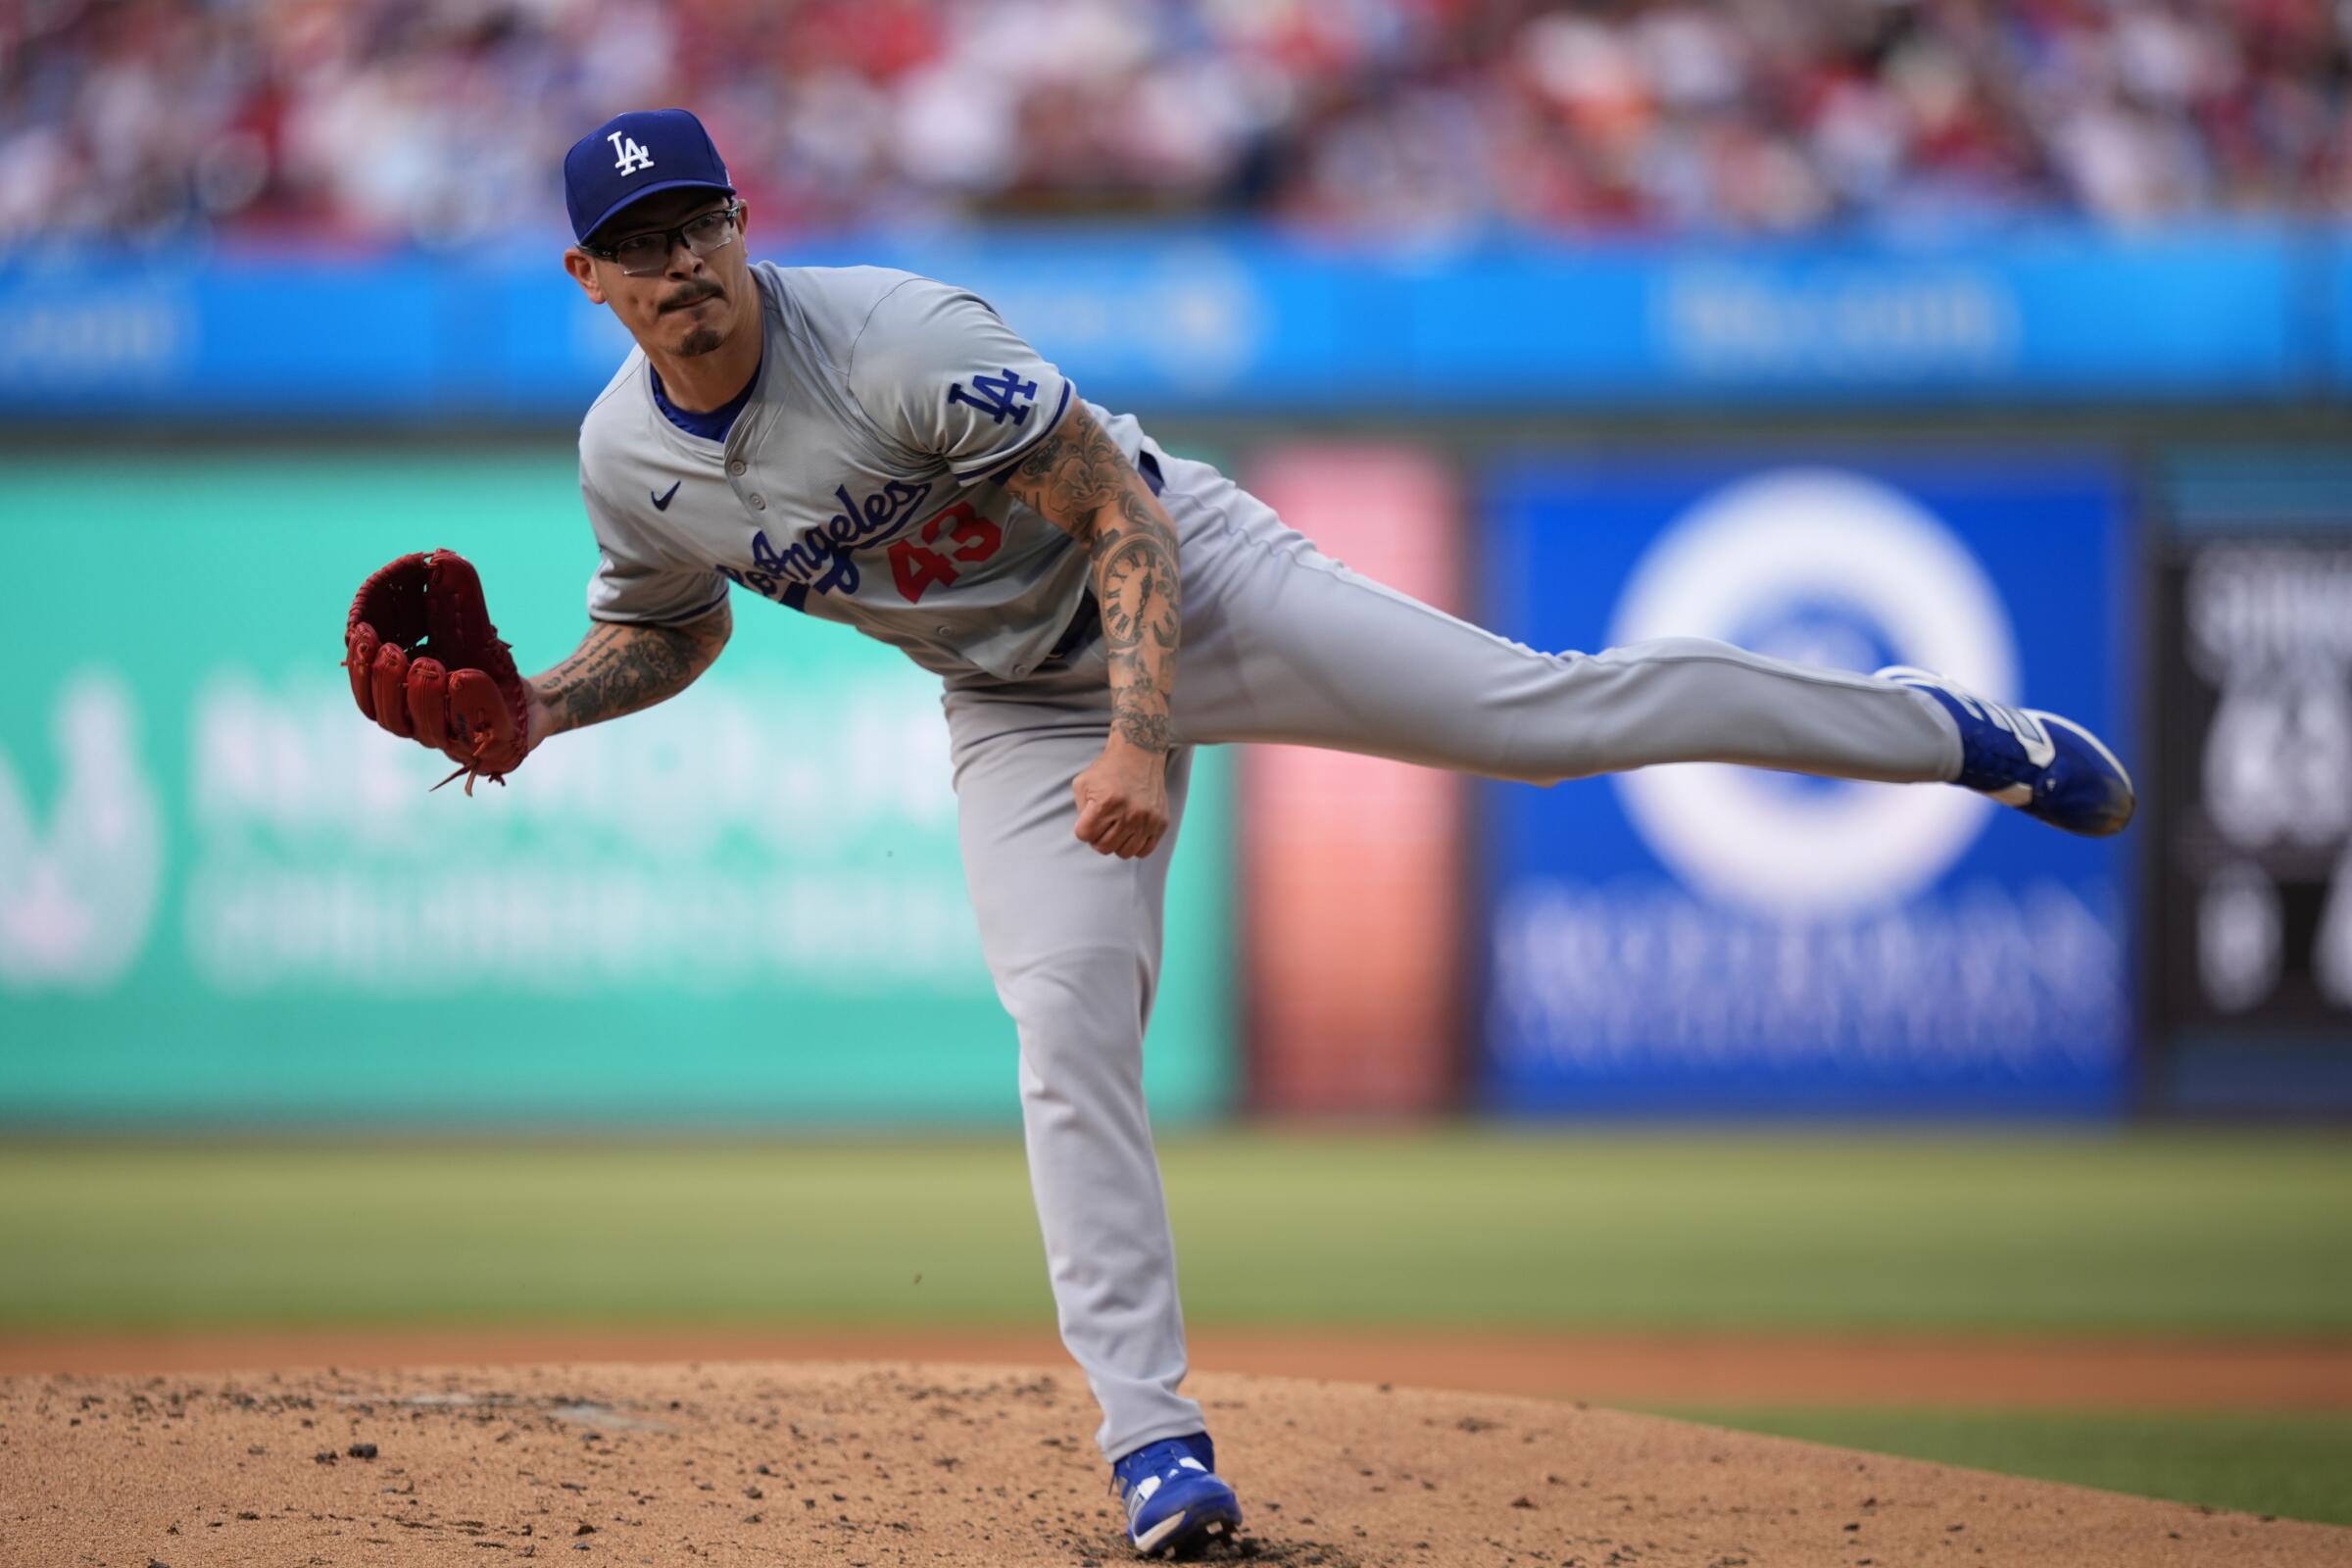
pixel 879 1466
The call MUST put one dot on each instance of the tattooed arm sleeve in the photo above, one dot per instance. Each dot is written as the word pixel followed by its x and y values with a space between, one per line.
pixel 622 666
pixel 1078 480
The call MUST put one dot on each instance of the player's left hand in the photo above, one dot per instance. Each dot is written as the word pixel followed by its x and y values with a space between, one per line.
pixel 1123 801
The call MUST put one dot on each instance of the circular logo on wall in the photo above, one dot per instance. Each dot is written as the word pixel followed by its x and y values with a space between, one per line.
pixel 1820 567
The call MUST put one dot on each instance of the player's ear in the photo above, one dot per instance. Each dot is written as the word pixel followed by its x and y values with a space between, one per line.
pixel 582 267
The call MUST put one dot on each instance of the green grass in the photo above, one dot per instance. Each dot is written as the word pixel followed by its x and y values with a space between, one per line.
pixel 1932 1232
pixel 2296 1466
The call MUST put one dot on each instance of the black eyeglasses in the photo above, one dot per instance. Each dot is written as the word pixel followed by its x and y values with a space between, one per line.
pixel 647 254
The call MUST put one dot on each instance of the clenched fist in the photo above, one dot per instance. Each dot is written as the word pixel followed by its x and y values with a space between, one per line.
pixel 1123 800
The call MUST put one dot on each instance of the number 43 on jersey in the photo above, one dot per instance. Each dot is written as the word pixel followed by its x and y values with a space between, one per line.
pixel 961 535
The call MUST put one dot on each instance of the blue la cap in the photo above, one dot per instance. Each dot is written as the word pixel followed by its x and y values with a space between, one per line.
pixel 633 155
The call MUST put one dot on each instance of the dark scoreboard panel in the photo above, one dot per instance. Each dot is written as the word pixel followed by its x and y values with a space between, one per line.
pixel 2250 785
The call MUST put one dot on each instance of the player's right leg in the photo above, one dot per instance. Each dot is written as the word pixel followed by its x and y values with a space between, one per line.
pixel 1073 940
pixel 1283 643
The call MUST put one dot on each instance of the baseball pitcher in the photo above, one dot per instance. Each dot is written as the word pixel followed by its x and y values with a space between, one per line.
pixel 881 450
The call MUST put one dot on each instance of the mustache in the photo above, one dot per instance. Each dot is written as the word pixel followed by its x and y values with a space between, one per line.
pixel 693 294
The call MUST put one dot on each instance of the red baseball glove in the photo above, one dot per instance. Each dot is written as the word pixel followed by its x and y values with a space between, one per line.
pixel 427 664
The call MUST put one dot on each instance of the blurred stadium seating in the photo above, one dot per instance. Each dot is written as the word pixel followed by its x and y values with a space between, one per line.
pixel 437 122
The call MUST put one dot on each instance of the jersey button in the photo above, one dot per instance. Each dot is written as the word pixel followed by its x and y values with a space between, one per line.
pixel 758 503
pixel 1020 669
pixel 738 468
pixel 946 631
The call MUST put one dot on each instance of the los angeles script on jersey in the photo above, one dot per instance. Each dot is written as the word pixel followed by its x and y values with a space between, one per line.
pixel 823 558
pixel 820 558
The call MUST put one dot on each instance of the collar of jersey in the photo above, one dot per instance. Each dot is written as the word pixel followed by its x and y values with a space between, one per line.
pixel 733 408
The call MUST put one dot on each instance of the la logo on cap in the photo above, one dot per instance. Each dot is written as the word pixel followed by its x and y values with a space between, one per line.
pixel 632 155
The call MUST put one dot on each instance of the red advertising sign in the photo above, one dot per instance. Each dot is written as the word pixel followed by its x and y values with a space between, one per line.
pixel 1349 884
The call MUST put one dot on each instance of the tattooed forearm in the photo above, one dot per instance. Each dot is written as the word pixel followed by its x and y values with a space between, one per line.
pixel 620 669
pixel 1135 581
pixel 1078 479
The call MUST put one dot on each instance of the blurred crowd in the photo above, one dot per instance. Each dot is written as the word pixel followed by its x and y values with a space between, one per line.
pixel 443 122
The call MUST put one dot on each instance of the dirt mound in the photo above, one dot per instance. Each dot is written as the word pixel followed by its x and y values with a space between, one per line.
pixel 868 1466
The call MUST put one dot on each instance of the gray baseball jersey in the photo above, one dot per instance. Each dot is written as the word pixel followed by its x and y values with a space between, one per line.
pixel 851 485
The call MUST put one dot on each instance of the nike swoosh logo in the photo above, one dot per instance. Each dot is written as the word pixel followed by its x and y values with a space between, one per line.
pixel 662 501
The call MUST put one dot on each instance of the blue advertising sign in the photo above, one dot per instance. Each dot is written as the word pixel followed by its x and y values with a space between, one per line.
pixel 1700 940
pixel 1206 319
pixel 2335 305
pixel 2037 318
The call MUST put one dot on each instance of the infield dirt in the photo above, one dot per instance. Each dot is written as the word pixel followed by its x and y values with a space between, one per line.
pixel 874 1465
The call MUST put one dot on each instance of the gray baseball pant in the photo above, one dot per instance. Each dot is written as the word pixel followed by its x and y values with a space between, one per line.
pixel 1281 643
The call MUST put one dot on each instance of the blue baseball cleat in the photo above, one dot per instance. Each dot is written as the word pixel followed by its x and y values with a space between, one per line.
pixel 1174 1500
pixel 2048 767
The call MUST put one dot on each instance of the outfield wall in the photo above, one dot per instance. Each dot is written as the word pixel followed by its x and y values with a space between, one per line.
pixel 216 899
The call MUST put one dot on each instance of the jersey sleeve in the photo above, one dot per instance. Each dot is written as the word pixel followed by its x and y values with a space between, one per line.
pixel 940 370
pixel 639 581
